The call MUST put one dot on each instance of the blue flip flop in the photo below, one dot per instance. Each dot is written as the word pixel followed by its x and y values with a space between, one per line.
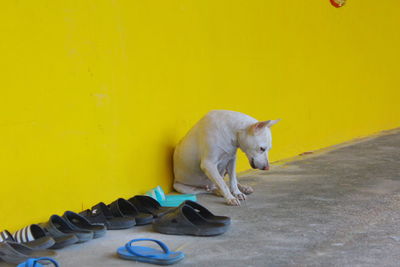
pixel 38 262
pixel 150 255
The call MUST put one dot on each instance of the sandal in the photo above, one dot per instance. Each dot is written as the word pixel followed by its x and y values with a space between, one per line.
pixel 185 220
pixel 34 237
pixel 6 236
pixel 206 214
pixel 125 209
pixel 169 200
pixel 149 205
pixel 78 222
pixel 63 234
pixel 100 213
pixel 148 254
pixel 16 253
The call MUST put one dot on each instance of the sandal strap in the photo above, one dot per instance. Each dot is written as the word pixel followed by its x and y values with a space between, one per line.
pixel 145 204
pixel 6 236
pixel 101 208
pixel 34 262
pixel 29 233
pixel 178 216
pixel 121 207
pixel 51 228
pixel 99 213
pixel 164 247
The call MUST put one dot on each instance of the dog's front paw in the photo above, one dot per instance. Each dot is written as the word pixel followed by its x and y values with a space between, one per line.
pixel 245 189
pixel 240 196
pixel 233 202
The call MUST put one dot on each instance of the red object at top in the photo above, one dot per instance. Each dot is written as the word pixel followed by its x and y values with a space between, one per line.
pixel 338 3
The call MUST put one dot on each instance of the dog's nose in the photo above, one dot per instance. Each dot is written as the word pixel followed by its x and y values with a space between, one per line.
pixel 266 168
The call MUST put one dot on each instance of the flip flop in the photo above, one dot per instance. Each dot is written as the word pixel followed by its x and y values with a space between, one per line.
pixel 100 213
pixel 206 214
pixel 185 220
pixel 34 236
pixel 149 205
pixel 125 209
pixel 78 222
pixel 16 253
pixel 148 254
pixel 169 200
pixel 63 234
pixel 39 262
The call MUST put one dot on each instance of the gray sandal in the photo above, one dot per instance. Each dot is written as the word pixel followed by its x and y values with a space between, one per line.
pixel 79 223
pixel 62 233
pixel 16 253
pixel 34 237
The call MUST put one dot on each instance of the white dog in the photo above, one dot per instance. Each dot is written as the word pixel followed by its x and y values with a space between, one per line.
pixel 208 152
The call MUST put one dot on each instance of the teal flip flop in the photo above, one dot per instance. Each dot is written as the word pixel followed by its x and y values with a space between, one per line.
pixel 148 254
pixel 169 200
pixel 39 262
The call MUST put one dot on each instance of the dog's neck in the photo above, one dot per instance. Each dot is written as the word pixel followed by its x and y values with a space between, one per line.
pixel 232 129
pixel 226 129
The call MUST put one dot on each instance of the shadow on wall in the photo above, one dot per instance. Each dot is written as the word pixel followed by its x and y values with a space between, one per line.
pixel 168 163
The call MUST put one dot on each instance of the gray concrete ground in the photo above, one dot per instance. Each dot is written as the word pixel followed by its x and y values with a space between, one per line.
pixel 340 208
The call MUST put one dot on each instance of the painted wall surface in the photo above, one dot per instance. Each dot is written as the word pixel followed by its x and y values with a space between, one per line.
pixel 94 95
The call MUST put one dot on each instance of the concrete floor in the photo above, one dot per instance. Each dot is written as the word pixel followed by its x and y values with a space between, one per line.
pixel 340 208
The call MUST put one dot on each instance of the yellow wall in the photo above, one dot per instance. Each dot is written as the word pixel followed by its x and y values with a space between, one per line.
pixel 95 94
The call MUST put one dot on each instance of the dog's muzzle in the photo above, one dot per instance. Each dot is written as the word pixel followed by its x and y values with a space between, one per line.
pixel 265 168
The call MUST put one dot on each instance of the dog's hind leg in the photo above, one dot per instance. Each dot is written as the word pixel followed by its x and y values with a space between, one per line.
pixel 189 189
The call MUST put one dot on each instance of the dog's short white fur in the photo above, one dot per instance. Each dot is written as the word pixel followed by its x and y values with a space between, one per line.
pixel 208 152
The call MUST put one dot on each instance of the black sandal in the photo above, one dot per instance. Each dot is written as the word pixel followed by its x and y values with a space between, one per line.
pixel 185 220
pixel 149 205
pixel 206 214
pixel 125 209
pixel 78 222
pixel 64 236
pixel 16 253
pixel 100 213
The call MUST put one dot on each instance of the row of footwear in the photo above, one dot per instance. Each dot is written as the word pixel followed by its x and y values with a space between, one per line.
pixel 34 240
pixel 123 214
pixel 189 218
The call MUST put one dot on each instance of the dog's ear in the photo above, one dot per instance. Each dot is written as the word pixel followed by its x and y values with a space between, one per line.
pixel 272 122
pixel 256 127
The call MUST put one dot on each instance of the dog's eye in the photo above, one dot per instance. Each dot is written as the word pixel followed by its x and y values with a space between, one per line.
pixel 262 149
